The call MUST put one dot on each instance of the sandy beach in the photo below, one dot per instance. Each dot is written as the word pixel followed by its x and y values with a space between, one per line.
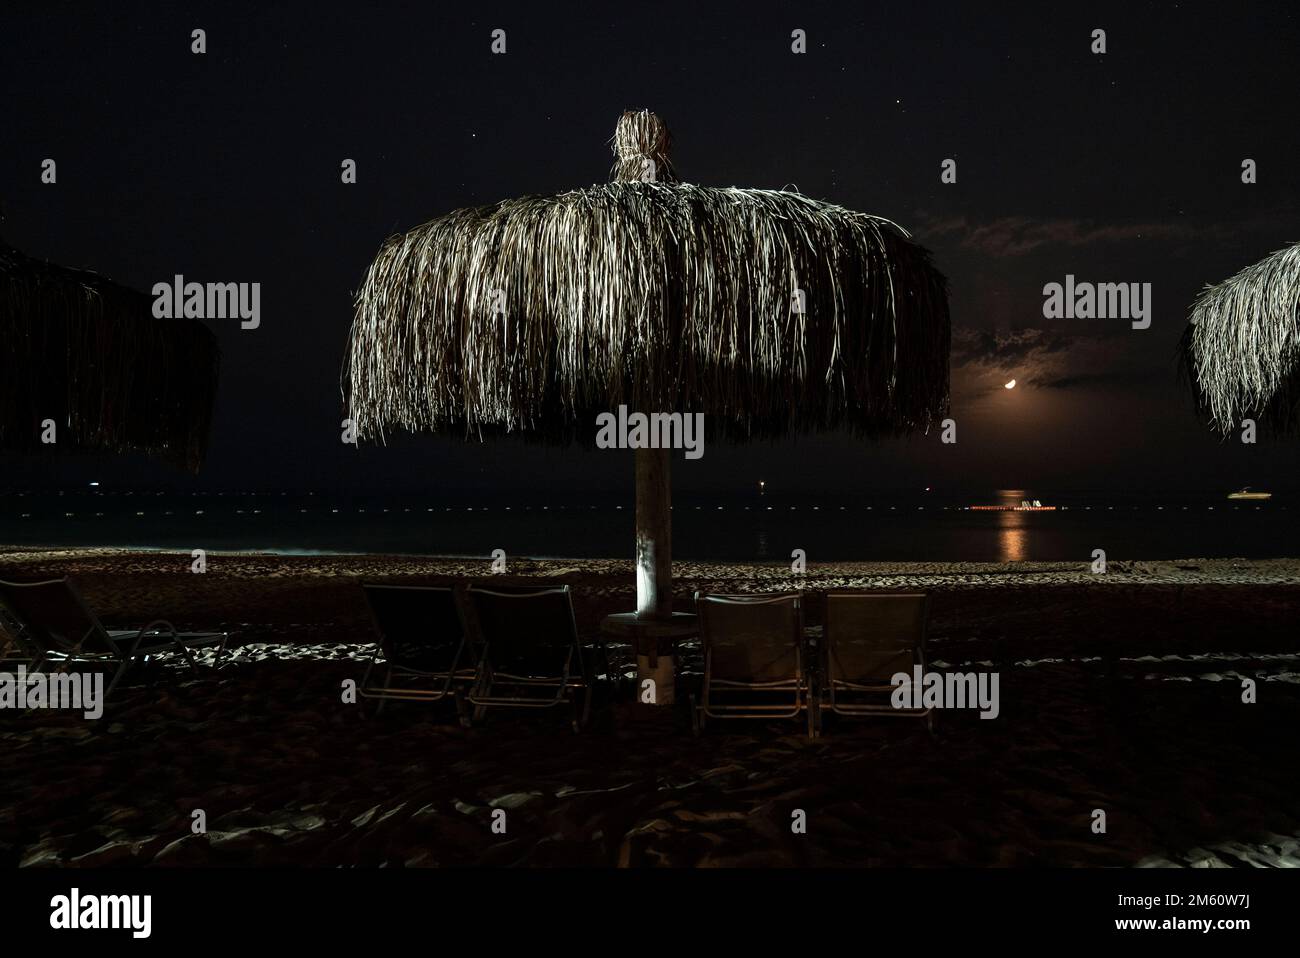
pixel 1120 692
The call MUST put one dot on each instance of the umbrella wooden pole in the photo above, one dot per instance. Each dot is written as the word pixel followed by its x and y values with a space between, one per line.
pixel 654 535
pixel 654 572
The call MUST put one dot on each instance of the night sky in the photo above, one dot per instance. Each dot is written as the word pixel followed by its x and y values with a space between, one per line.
pixel 225 167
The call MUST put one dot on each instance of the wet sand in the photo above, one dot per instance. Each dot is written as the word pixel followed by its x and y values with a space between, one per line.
pixel 1119 692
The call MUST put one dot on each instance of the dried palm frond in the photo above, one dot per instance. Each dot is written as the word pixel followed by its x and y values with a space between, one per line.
pixel 88 354
pixel 1241 348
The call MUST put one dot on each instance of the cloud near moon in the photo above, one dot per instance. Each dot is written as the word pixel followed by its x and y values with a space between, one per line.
pixel 1043 359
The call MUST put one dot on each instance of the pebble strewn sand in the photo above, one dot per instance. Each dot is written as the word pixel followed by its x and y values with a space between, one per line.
pixel 1119 692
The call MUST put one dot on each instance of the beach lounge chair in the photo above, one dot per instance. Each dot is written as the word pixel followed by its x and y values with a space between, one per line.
pixel 13 647
pixel 530 655
pixel 422 640
pixel 52 623
pixel 868 638
pixel 755 663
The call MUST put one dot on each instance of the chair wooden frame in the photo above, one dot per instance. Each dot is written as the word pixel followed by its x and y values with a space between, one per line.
pixel 453 681
pixel 833 687
pixel 799 685
pixel 573 678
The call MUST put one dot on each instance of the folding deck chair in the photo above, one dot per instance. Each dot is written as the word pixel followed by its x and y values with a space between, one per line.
pixel 423 643
pixel 51 622
pixel 13 649
pixel 869 637
pixel 755 664
pixel 530 655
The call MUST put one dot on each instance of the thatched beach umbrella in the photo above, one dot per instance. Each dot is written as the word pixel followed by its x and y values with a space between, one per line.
pixel 766 311
pixel 88 355
pixel 1242 346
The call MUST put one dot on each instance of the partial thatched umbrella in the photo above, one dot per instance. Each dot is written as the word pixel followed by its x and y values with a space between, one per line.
pixel 88 354
pixel 766 311
pixel 1242 346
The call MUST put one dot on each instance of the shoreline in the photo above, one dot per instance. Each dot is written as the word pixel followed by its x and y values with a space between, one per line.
pixel 1183 571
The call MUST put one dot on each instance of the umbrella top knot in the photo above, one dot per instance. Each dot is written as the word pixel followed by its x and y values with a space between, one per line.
pixel 641 144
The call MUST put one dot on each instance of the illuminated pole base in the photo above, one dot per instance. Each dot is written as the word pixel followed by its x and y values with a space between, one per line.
pixel 656 684
pixel 656 674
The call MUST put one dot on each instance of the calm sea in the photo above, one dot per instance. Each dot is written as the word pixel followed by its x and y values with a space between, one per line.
pixel 914 527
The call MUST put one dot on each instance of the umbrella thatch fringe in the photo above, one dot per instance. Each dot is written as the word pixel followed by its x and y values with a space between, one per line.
pixel 1242 347
pixel 663 297
pixel 88 354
